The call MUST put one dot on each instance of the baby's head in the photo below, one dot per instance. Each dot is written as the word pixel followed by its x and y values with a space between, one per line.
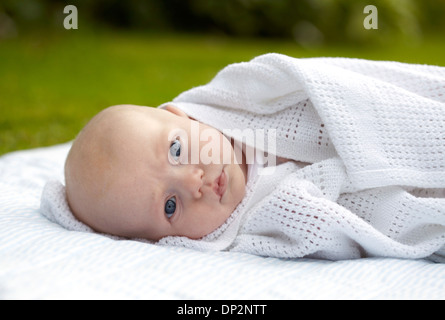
pixel 133 172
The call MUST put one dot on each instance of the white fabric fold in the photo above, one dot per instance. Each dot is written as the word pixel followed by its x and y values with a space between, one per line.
pixel 375 135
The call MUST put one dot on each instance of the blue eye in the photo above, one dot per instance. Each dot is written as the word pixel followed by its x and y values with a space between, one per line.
pixel 175 149
pixel 170 207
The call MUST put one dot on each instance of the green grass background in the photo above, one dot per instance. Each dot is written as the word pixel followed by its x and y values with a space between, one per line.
pixel 52 84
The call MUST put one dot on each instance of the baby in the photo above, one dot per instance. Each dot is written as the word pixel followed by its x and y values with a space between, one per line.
pixel 328 158
pixel 130 173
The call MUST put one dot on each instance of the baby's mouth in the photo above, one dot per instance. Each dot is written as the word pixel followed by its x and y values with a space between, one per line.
pixel 220 185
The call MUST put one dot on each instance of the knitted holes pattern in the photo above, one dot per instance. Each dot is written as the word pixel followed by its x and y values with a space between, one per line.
pixel 300 133
pixel 301 218
pixel 297 223
pixel 416 223
pixel 386 121
pixel 301 122
pixel 409 133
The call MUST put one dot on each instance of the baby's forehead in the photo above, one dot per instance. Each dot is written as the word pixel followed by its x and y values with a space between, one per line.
pixel 140 132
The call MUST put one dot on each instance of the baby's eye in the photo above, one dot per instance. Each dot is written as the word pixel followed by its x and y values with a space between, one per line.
pixel 175 150
pixel 170 207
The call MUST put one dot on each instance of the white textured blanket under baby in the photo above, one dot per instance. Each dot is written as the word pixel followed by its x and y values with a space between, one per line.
pixel 374 133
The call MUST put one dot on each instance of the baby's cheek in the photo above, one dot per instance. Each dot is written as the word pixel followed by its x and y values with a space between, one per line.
pixel 222 215
pixel 239 187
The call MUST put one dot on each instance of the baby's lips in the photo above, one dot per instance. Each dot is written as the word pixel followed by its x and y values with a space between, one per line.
pixel 220 185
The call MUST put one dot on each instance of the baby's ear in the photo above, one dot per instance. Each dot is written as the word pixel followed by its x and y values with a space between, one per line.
pixel 176 111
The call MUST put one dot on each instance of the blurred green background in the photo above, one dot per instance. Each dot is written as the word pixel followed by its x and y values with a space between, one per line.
pixel 53 80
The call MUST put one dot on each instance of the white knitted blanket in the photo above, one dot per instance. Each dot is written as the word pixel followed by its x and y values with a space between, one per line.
pixel 375 135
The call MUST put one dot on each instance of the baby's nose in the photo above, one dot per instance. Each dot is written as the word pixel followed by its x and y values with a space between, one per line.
pixel 193 181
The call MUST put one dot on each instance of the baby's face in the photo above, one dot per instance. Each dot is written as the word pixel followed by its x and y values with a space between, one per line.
pixel 142 172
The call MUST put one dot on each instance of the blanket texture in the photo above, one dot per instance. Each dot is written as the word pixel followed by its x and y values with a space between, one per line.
pixel 41 260
pixel 374 132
